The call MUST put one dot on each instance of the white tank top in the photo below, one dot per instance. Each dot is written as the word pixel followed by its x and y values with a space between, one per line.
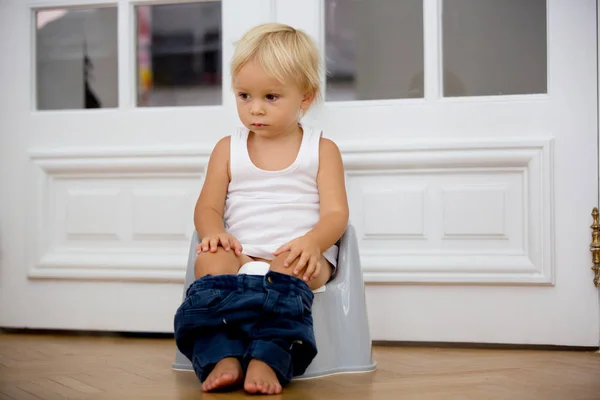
pixel 266 209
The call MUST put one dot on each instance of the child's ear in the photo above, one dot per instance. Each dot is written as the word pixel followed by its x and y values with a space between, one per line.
pixel 308 99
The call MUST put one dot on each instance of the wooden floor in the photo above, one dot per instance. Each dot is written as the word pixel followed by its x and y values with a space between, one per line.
pixel 95 368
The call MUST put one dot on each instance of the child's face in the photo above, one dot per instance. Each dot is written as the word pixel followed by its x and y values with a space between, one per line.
pixel 266 106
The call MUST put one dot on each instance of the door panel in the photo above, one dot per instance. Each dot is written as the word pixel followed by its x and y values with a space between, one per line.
pixel 471 165
pixel 98 196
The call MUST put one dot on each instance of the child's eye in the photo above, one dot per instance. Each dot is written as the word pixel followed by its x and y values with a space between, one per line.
pixel 243 96
pixel 272 97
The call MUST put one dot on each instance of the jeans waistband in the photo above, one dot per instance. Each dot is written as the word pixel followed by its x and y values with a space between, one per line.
pixel 282 283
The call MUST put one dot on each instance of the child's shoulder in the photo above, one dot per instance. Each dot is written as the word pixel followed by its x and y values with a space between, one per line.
pixel 328 146
pixel 221 148
pixel 330 157
pixel 225 141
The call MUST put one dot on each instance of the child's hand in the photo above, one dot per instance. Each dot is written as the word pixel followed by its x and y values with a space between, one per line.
pixel 309 252
pixel 211 243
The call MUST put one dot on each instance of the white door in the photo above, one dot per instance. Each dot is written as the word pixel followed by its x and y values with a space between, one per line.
pixel 97 203
pixel 469 134
pixel 471 188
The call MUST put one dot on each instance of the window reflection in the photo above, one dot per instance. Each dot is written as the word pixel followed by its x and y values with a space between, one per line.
pixel 494 47
pixel 179 54
pixel 374 49
pixel 76 58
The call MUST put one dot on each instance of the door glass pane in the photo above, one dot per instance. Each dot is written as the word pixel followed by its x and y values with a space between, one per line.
pixel 76 58
pixel 494 47
pixel 179 54
pixel 373 49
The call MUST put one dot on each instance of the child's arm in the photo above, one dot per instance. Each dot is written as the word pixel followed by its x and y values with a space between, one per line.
pixel 332 194
pixel 333 218
pixel 208 213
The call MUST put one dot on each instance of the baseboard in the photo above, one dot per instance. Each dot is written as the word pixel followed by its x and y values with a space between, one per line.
pixel 376 343
pixel 490 346
pixel 88 333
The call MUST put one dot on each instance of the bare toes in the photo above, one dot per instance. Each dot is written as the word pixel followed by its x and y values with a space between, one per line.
pixel 269 389
pixel 208 383
pixel 225 374
pixel 260 378
pixel 250 387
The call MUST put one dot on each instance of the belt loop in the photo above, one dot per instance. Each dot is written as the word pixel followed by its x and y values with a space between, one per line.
pixel 271 300
pixel 240 283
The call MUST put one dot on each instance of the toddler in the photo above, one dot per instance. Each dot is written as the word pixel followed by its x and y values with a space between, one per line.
pixel 273 197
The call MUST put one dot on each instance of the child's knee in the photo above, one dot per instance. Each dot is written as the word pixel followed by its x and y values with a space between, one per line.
pixel 221 262
pixel 278 264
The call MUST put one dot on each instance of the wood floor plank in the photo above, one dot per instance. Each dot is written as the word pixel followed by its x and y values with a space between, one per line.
pixel 14 393
pixel 99 368
pixel 75 384
pixel 37 391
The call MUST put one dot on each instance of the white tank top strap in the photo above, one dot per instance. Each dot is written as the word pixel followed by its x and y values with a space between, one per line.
pixel 238 145
pixel 313 140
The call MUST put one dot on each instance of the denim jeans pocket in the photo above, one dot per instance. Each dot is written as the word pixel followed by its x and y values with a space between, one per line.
pixel 290 306
pixel 204 300
pixel 195 287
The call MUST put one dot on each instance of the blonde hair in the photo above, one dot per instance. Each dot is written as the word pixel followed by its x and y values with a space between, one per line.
pixel 282 51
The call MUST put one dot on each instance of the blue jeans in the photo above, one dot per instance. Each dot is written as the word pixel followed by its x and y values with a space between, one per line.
pixel 247 316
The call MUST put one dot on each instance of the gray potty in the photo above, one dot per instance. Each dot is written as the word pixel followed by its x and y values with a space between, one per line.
pixel 339 313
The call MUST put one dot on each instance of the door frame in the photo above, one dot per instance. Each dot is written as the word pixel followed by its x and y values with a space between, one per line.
pixel 598 114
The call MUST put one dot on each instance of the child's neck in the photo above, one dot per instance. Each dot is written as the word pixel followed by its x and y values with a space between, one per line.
pixel 284 136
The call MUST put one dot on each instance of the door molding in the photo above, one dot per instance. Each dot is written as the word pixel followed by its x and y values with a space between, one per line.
pixel 514 243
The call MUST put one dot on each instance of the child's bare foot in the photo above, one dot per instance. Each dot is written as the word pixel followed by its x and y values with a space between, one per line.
pixel 227 372
pixel 260 378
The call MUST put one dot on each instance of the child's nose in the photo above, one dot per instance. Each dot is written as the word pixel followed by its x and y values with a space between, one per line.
pixel 256 108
